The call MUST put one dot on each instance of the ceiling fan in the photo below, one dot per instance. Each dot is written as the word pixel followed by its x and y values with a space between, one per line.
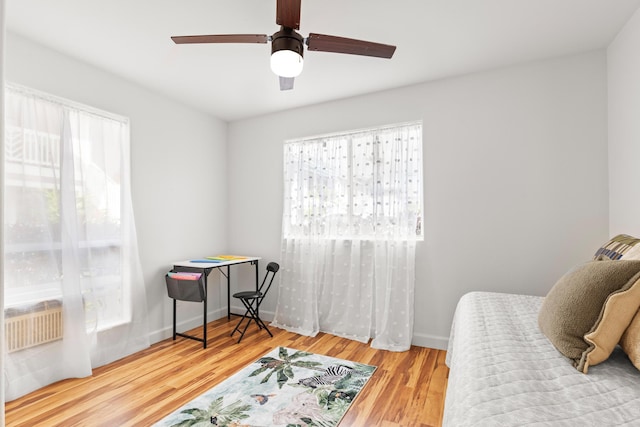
pixel 287 46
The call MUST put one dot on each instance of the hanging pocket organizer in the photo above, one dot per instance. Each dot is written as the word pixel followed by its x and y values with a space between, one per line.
pixel 185 286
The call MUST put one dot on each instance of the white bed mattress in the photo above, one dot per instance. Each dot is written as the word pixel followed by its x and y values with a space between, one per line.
pixel 504 372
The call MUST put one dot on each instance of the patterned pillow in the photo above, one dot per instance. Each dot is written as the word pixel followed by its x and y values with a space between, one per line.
pixel 616 247
pixel 633 253
pixel 630 341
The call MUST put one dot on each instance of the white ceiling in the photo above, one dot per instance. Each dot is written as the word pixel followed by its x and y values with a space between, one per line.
pixel 434 38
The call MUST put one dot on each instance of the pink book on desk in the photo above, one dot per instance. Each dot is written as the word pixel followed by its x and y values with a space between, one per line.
pixel 184 275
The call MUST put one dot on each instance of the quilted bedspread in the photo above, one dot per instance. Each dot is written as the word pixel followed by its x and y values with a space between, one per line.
pixel 504 372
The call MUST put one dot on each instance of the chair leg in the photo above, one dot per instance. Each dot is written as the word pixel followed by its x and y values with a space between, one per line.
pixel 244 330
pixel 247 315
pixel 244 316
pixel 254 314
pixel 250 314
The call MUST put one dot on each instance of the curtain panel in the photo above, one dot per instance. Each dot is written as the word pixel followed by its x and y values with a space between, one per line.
pixel 352 215
pixel 74 293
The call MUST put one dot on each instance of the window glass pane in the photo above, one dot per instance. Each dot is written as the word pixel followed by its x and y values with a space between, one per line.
pixel 365 184
pixel 35 152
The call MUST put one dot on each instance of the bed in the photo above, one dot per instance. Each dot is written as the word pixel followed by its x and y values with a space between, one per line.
pixel 505 372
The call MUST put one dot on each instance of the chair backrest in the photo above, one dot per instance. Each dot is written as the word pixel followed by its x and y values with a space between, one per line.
pixel 273 266
pixel 272 269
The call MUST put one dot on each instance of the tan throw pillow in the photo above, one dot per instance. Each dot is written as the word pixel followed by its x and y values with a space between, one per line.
pixel 630 341
pixel 615 317
pixel 575 307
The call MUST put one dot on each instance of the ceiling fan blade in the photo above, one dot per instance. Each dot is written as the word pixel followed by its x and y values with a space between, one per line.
pixel 288 13
pixel 222 38
pixel 324 43
pixel 286 83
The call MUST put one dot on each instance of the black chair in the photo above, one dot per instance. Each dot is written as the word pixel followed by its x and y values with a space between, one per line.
pixel 252 300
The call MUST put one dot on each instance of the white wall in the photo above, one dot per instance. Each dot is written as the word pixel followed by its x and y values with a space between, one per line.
pixel 515 176
pixel 623 74
pixel 179 173
pixel 514 159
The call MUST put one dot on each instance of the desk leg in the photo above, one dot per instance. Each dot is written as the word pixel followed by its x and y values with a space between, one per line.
pixel 205 306
pixel 204 323
pixel 228 292
pixel 257 287
pixel 257 279
pixel 204 314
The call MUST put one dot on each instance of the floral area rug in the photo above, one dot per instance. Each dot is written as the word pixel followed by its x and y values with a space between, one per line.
pixel 286 387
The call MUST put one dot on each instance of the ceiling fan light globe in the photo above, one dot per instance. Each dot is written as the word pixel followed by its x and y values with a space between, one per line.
pixel 286 63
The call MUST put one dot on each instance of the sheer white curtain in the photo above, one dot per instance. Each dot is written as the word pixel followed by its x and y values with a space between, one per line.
pixel 70 242
pixel 2 362
pixel 352 215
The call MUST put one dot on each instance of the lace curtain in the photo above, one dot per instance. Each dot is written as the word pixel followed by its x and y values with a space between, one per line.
pixel 352 215
pixel 74 292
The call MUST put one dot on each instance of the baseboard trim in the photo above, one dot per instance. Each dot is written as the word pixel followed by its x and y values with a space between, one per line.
pixel 183 325
pixel 430 341
pixel 195 321
pixel 420 340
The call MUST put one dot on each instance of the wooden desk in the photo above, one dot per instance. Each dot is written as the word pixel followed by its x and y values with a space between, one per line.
pixel 205 268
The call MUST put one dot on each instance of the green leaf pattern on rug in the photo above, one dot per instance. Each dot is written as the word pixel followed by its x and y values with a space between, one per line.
pixel 310 391
pixel 283 367
pixel 216 414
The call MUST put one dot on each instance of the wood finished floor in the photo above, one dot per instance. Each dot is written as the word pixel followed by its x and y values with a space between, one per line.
pixel 407 389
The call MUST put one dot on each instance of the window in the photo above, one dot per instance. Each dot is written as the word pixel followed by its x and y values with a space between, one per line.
pixel 351 221
pixel 63 165
pixel 365 184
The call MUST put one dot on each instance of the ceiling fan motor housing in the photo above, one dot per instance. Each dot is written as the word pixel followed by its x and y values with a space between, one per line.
pixel 287 39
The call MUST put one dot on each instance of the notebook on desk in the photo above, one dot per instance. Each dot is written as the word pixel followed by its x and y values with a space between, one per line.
pixel 225 257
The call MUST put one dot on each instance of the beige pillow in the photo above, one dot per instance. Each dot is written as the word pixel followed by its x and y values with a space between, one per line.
pixel 597 299
pixel 630 341
pixel 615 317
